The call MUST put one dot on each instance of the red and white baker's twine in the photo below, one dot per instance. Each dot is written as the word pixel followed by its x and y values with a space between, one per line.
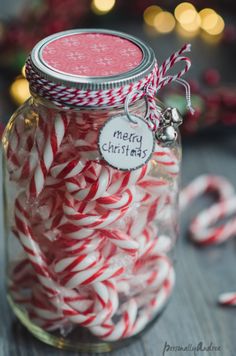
pixel 67 97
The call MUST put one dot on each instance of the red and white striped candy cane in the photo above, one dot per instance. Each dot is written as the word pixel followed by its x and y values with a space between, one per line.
pixel 202 228
pixel 166 159
pixel 25 144
pixel 37 259
pixel 227 299
pixel 52 145
pixel 206 184
pixel 96 189
pixel 122 240
pixel 31 246
pixel 117 201
pixel 68 169
pixel 132 321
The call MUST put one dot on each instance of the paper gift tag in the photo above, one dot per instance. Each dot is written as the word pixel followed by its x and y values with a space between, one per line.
pixel 125 145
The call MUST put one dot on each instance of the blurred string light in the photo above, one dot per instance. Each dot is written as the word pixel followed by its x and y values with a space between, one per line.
pixel 211 22
pixel 181 8
pixel 150 14
pixel 188 17
pixel 189 21
pixel 19 90
pixel 164 22
pixel 102 7
pixel 161 21
pixel 208 18
pixel 218 28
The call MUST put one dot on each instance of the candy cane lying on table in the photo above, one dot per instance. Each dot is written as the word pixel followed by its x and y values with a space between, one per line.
pixel 206 184
pixel 201 229
pixel 228 299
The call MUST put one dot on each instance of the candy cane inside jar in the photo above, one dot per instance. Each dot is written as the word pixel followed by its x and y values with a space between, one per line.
pixel 90 238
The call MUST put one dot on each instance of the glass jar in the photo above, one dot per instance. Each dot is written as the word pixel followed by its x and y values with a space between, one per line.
pixel 89 245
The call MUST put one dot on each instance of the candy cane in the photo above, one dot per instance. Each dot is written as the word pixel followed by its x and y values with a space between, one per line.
pixel 31 247
pixel 96 189
pixel 166 159
pixel 132 321
pixel 227 299
pixel 33 252
pixel 50 150
pixel 206 184
pixel 202 230
pixel 24 146
pixel 83 220
pixel 87 229
pixel 68 169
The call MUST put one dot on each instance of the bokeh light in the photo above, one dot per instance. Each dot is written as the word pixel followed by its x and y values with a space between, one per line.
pixel 208 18
pixel 188 17
pixel 191 23
pixel 23 71
pixel 101 7
pixel 218 28
pixel 181 8
pixel 19 90
pixel 211 22
pixel 164 22
pixel 150 14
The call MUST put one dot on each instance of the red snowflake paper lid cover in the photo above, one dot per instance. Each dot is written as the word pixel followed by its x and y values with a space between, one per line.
pixel 92 58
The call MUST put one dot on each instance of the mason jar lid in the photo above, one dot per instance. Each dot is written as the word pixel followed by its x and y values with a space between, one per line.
pixel 93 59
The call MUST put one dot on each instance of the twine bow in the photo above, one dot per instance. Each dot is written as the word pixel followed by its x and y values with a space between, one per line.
pixel 160 80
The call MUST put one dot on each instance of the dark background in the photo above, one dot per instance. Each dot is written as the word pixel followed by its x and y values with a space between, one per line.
pixel 38 18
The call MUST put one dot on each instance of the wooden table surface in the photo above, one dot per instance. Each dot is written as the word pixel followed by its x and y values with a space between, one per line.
pixel 192 315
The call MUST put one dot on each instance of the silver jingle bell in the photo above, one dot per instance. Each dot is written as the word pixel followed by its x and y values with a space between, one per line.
pixel 176 117
pixel 166 136
pixel 166 117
